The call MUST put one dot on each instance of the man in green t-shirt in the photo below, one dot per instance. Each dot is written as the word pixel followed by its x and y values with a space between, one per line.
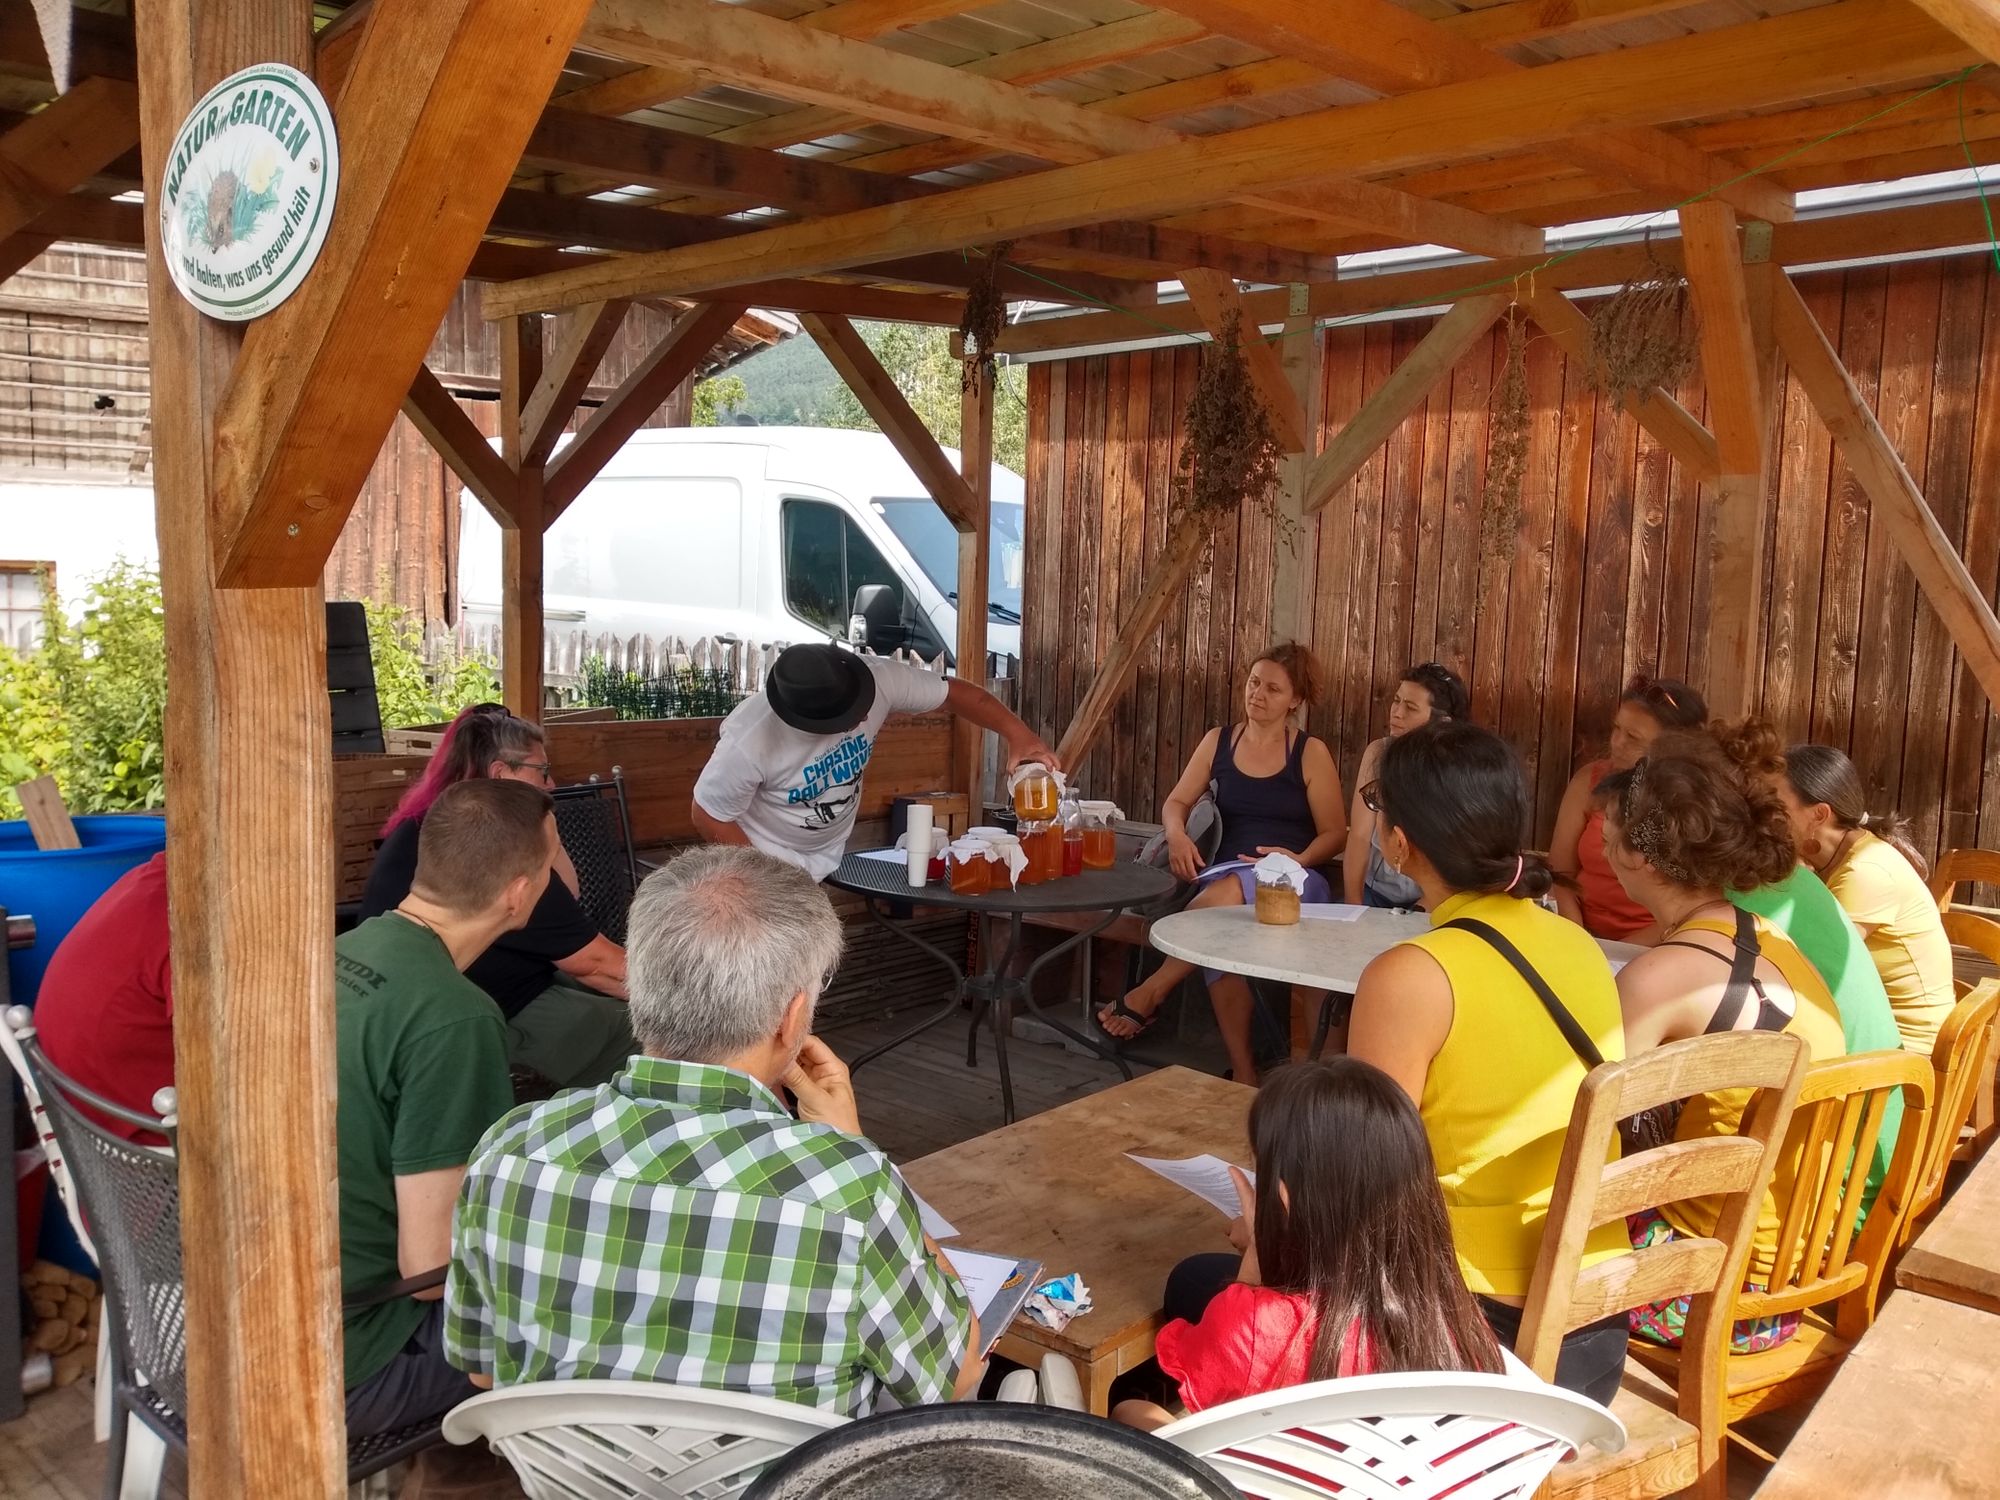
pixel 1802 908
pixel 422 1054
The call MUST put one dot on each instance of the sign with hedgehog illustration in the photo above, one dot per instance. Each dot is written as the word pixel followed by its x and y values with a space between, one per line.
pixel 248 192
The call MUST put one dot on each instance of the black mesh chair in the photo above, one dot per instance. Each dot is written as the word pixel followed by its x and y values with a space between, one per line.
pixel 130 1195
pixel 595 823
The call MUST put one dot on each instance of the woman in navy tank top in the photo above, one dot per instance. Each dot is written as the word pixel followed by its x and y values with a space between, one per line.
pixel 1277 790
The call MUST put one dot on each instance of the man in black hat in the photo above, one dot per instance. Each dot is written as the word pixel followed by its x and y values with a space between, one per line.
pixel 786 777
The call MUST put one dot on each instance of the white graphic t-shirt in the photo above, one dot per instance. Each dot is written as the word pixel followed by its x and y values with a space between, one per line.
pixel 795 793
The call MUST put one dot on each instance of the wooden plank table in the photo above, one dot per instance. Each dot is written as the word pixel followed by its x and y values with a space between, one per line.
pixel 1058 1188
pixel 1957 1257
pixel 1914 1413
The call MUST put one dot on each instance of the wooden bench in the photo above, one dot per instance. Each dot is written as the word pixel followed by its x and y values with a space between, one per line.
pixel 1913 1414
pixel 1957 1258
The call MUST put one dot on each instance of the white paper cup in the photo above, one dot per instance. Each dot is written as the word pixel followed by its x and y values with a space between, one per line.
pixel 918 843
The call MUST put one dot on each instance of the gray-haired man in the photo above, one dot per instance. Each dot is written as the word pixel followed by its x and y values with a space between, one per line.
pixel 678 1223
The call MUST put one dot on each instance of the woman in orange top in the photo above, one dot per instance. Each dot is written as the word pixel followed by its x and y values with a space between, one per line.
pixel 1587 889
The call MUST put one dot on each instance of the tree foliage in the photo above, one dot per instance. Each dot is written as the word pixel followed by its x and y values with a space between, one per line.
pixel 717 399
pixel 410 691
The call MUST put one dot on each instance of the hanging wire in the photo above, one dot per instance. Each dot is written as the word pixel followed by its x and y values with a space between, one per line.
pixel 1978 181
pixel 1556 258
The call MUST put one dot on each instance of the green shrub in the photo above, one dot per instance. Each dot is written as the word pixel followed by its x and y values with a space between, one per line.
pixel 411 692
pixel 86 707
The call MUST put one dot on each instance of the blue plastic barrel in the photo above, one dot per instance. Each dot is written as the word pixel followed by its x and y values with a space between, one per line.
pixel 57 886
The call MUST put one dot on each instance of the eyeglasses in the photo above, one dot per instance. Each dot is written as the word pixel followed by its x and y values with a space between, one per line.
pixel 1371 796
pixel 539 767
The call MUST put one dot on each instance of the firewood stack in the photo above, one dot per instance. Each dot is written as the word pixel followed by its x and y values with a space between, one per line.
pixel 66 1308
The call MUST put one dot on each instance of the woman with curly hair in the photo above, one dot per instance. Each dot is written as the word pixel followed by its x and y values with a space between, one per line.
pixel 1684 826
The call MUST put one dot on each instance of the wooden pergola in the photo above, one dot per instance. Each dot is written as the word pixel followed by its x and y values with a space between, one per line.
pixel 856 159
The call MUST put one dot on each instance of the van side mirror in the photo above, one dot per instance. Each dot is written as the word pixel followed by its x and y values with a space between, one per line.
pixel 878 620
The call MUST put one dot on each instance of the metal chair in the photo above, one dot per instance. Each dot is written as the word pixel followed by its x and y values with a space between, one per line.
pixel 1416 1437
pixel 595 824
pixel 130 1194
pixel 612 1439
pixel 1595 1187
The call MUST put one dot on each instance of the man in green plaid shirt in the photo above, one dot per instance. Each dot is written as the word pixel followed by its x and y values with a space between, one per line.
pixel 678 1224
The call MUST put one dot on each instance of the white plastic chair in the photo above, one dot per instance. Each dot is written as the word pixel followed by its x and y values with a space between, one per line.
pixel 1397 1437
pixel 612 1439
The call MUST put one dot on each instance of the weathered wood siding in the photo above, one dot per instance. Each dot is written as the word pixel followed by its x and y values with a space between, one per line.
pixel 1610 575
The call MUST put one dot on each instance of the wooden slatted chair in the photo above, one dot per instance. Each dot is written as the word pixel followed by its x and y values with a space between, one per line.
pixel 1956 866
pixel 1967 929
pixel 1962 1058
pixel 1824 1269
pixel 1667 1453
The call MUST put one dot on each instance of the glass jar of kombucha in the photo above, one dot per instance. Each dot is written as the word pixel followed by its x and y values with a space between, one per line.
pixel 1035 793
pixel 1042 843
pixel 972 866
pixel 1100 838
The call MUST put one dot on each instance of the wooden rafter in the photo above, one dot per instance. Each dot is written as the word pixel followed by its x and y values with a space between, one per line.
pixel 763 53
pixel 679 354
pixel 1401 394
pixel 1767 62
pixel 1382 46
pixel 581 339
pixel 876 390
pixel 1976 21
pixel 434 412
pixel 1896 501
pixel 1670 423
pixel 56 148
pixel 1216 298
pixel 430 146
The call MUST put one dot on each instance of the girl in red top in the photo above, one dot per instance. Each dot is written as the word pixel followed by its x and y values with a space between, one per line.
pixel 1347 1261
pixel 1587 889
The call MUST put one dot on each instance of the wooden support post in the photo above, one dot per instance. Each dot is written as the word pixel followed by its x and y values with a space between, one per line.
pixel 876 390
pixel 1293 544
pixel 521 543
pixel 445 426
pixel 1402 393
pixel 1739 411
pixel 1941 573
pixel 1659 413
pixel 1215 296
pixel 249 781
pixel 1159 590
pixel 975 554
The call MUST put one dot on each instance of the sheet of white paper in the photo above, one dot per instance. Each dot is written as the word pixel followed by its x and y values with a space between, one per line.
pixel 1336 911
pixel 936 1225
pixel 1207 1177
pixel 983 1275
pixel 887 856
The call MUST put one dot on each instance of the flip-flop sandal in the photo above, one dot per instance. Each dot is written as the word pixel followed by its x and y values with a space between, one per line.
pixel 1143 1022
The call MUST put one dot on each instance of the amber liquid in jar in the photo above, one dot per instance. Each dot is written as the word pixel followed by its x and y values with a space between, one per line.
pixel 1035 799
pixel 1100 848
pixel 1277 905
pixel 1033 837
pixel 1045 852
pixel 971 877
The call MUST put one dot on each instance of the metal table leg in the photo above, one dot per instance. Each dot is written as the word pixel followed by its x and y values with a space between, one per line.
pixel 961 987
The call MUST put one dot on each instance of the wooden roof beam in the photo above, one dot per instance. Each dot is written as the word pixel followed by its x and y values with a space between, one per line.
pixel 581 340
pixel 63 145
pixel 1859 43
pixel 1380 45
pixel 1975 20
pixel 430 147
pixel 753 50
pixel 876 390
pixel 435 412
pixel 1216 298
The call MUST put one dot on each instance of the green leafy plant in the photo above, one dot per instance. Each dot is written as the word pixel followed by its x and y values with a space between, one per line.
pixel 86 707
pixel 410 690
pixel 717 399
pixel 681 693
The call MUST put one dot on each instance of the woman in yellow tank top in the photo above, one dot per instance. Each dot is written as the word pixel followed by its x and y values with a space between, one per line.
pixel 1450 1018
pixel 1684 825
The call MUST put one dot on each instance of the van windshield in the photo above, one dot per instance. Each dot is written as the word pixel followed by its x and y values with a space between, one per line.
pixel 920 526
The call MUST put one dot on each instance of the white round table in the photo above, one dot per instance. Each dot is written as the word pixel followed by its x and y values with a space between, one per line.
pixel 1323 953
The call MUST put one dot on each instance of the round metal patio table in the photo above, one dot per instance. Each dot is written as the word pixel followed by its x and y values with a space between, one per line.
pixel 995 993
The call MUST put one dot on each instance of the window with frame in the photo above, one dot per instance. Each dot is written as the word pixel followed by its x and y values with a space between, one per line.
pixel 21 602
pixel 828 559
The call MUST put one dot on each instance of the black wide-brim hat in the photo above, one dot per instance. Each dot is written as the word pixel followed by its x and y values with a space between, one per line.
pixel 819 688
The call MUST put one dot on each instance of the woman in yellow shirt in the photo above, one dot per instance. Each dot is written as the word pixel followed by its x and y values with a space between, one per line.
pixel 1451 1017
pixel 1877 876
pixel 1683 826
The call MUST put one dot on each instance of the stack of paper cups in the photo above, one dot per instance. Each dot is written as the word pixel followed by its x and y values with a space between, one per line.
pixel 917 842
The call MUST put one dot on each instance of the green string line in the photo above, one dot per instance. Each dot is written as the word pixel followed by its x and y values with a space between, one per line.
pixel 1985 208
pixel 1558 257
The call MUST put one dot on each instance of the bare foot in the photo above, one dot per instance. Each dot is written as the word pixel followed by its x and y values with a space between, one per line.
pixel 1122 1026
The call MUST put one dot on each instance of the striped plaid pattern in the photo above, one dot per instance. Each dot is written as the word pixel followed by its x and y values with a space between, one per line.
pixel 678 1224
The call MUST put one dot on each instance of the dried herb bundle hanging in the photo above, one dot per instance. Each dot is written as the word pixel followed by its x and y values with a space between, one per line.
pixel 1644 335
pixel 1507 446
pixel 984 316
pixel 1230 454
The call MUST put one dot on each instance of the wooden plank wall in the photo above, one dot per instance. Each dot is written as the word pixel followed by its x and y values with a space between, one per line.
pixel 1610 575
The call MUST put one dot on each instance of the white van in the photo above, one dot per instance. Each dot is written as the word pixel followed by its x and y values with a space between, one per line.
pixel 763 534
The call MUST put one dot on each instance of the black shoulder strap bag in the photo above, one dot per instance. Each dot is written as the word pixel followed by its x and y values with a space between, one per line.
pixel 1636 1133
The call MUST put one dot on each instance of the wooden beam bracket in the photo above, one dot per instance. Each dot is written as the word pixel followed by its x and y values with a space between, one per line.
pixel 1216 297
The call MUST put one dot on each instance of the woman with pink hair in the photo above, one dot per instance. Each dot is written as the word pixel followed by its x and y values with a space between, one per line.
pixel 559 982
